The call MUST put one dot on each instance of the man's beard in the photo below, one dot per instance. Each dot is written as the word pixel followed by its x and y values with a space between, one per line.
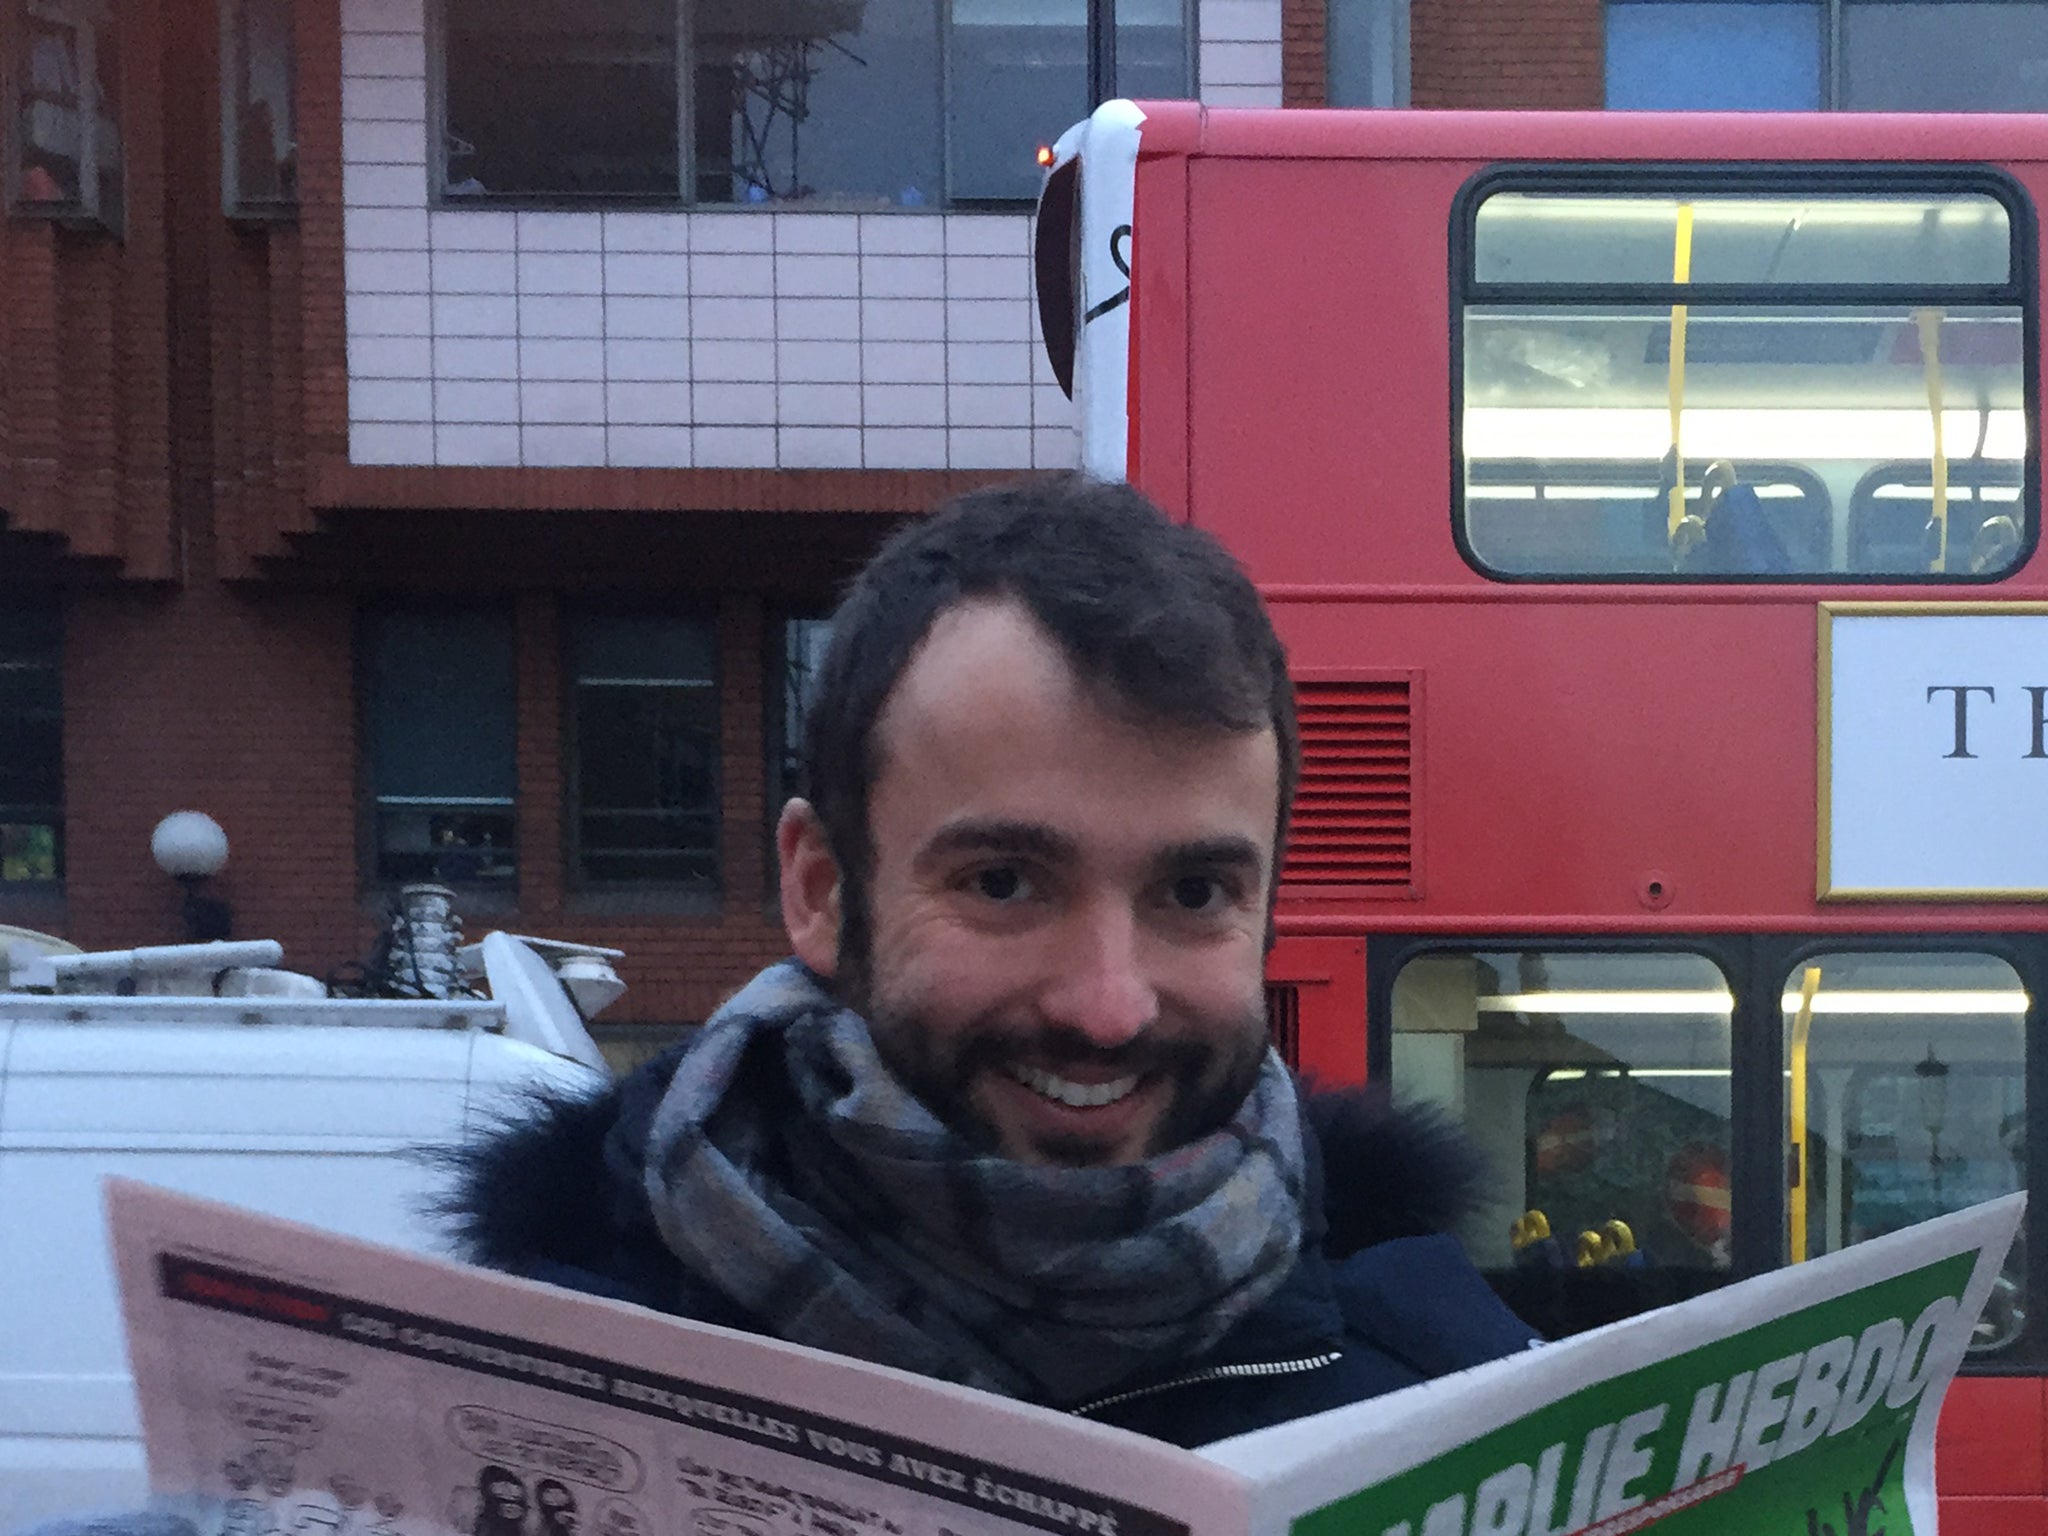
pixel 1209 1074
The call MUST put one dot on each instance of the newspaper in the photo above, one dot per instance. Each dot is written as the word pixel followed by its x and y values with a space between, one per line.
pixel 292 1381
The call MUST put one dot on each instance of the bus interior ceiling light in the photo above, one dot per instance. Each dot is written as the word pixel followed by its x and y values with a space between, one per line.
pixel 1802 434
pixel 1959 1002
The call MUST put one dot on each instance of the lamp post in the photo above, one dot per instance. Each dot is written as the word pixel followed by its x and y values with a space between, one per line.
pixel 191 848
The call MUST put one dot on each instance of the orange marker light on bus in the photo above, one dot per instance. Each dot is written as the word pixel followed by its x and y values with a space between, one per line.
pixel 1045 154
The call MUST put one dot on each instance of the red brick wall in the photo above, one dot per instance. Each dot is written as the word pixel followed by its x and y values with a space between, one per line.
pixel 84 392
pixel 237 704
pixel 1304 53
pixel 1507 54
pixel 241 702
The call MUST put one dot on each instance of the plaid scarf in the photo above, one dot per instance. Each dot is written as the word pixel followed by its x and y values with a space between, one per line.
pixel 790 1172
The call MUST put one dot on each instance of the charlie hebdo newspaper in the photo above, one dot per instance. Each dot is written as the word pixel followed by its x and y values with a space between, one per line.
pixel 295 1383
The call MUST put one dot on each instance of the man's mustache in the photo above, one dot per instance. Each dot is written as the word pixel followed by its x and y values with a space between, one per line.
pixel 1058 1048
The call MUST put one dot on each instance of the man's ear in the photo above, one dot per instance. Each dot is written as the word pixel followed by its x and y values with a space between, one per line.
pixel 811 887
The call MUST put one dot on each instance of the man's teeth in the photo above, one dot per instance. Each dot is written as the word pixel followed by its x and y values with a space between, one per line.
pixel 1073 1095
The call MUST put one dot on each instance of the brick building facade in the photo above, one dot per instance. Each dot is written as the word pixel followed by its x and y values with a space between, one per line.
pixel 277 424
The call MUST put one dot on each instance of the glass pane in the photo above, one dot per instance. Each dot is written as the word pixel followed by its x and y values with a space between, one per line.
pixel 803 652
pixel 30 850
pixel 1922 239
pixel 553 97
pixel 440 707
pixel 453 844
pixel 651 845
pixel 1905 1099
pixel 31 742
pixel 817 100
pixel 1018 78
pixel 1569 456
pixel 1714 56
pixel 1945 57
pixel 1896 522
pixel 263 153
pixel 1596 1084
pixel 636 648
pixel 68 73
pixel 1368 53
pixel 647 749
pixel 31 759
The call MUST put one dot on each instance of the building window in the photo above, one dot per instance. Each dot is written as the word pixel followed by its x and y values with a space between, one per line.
pixel 851 103
pixel 1691 382
pixel 644 764
pixel 65 160
pixel 1917 56
pixel 31 743
pixel 1715 55
pixel 259 150
pixel 439 715
pixel 1856 55
pixel 1369 55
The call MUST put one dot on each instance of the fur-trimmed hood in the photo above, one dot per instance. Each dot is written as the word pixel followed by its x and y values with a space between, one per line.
pixel 557 1186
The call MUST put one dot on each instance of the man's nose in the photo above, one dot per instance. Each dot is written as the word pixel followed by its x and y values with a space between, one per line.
pixel 1100 985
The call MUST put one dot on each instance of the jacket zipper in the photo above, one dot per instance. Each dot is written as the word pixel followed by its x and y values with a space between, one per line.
pixel 1214 1373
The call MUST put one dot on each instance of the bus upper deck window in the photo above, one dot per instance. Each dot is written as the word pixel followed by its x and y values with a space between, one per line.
pixel 1692 383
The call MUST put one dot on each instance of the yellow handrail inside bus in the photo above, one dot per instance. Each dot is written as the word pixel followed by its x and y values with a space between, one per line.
pixel 1681 272
pixel 1802 1027
pixel 1929 322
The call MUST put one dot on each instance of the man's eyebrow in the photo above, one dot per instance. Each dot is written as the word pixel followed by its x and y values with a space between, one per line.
pixel 1024 839
pixel 1213 853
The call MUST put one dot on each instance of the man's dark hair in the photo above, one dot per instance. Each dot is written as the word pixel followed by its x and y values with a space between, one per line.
pixel 1155 614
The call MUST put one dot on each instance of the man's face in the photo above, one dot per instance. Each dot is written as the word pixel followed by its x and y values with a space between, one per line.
pixel 1068 908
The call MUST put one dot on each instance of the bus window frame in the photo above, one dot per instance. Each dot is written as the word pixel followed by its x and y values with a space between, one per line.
pixel 2021 289
pixel 1757 1064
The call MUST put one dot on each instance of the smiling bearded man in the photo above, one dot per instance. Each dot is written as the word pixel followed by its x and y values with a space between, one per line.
pixel 1009 1116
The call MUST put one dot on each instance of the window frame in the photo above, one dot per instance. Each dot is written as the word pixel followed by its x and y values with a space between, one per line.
pixel 2021 290
pixel 666 894
pixel 86 212
pixel 684 198
pixel 781 756
pixel 283 208
pixel 1759 966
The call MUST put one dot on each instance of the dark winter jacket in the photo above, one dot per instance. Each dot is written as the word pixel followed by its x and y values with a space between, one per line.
pixel 1379 1299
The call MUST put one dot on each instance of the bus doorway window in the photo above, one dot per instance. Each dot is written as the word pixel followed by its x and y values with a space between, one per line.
pixel 1596 1083
pixel 1905 1099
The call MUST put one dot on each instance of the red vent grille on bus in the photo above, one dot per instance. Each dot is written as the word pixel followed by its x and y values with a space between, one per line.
pixel 1354 815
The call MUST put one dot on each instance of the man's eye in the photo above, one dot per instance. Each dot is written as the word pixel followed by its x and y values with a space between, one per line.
pixel 1000 883
pixel 1198 893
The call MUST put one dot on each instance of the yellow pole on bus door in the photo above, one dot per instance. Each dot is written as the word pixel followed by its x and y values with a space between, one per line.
pixel 1802 1028
pixel 1929 323
pixel 1681 273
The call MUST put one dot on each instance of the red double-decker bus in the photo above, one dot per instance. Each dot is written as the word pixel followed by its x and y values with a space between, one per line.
pixel 1651 507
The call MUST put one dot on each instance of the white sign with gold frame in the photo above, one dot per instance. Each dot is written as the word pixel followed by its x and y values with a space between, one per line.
pixel 1933 751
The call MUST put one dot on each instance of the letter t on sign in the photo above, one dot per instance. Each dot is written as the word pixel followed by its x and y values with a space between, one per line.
pixel 1962 691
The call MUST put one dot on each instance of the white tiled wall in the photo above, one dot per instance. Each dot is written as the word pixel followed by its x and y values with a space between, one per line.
pixel 730 338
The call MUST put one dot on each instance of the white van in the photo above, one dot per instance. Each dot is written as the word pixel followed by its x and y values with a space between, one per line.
pixel 262 1091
